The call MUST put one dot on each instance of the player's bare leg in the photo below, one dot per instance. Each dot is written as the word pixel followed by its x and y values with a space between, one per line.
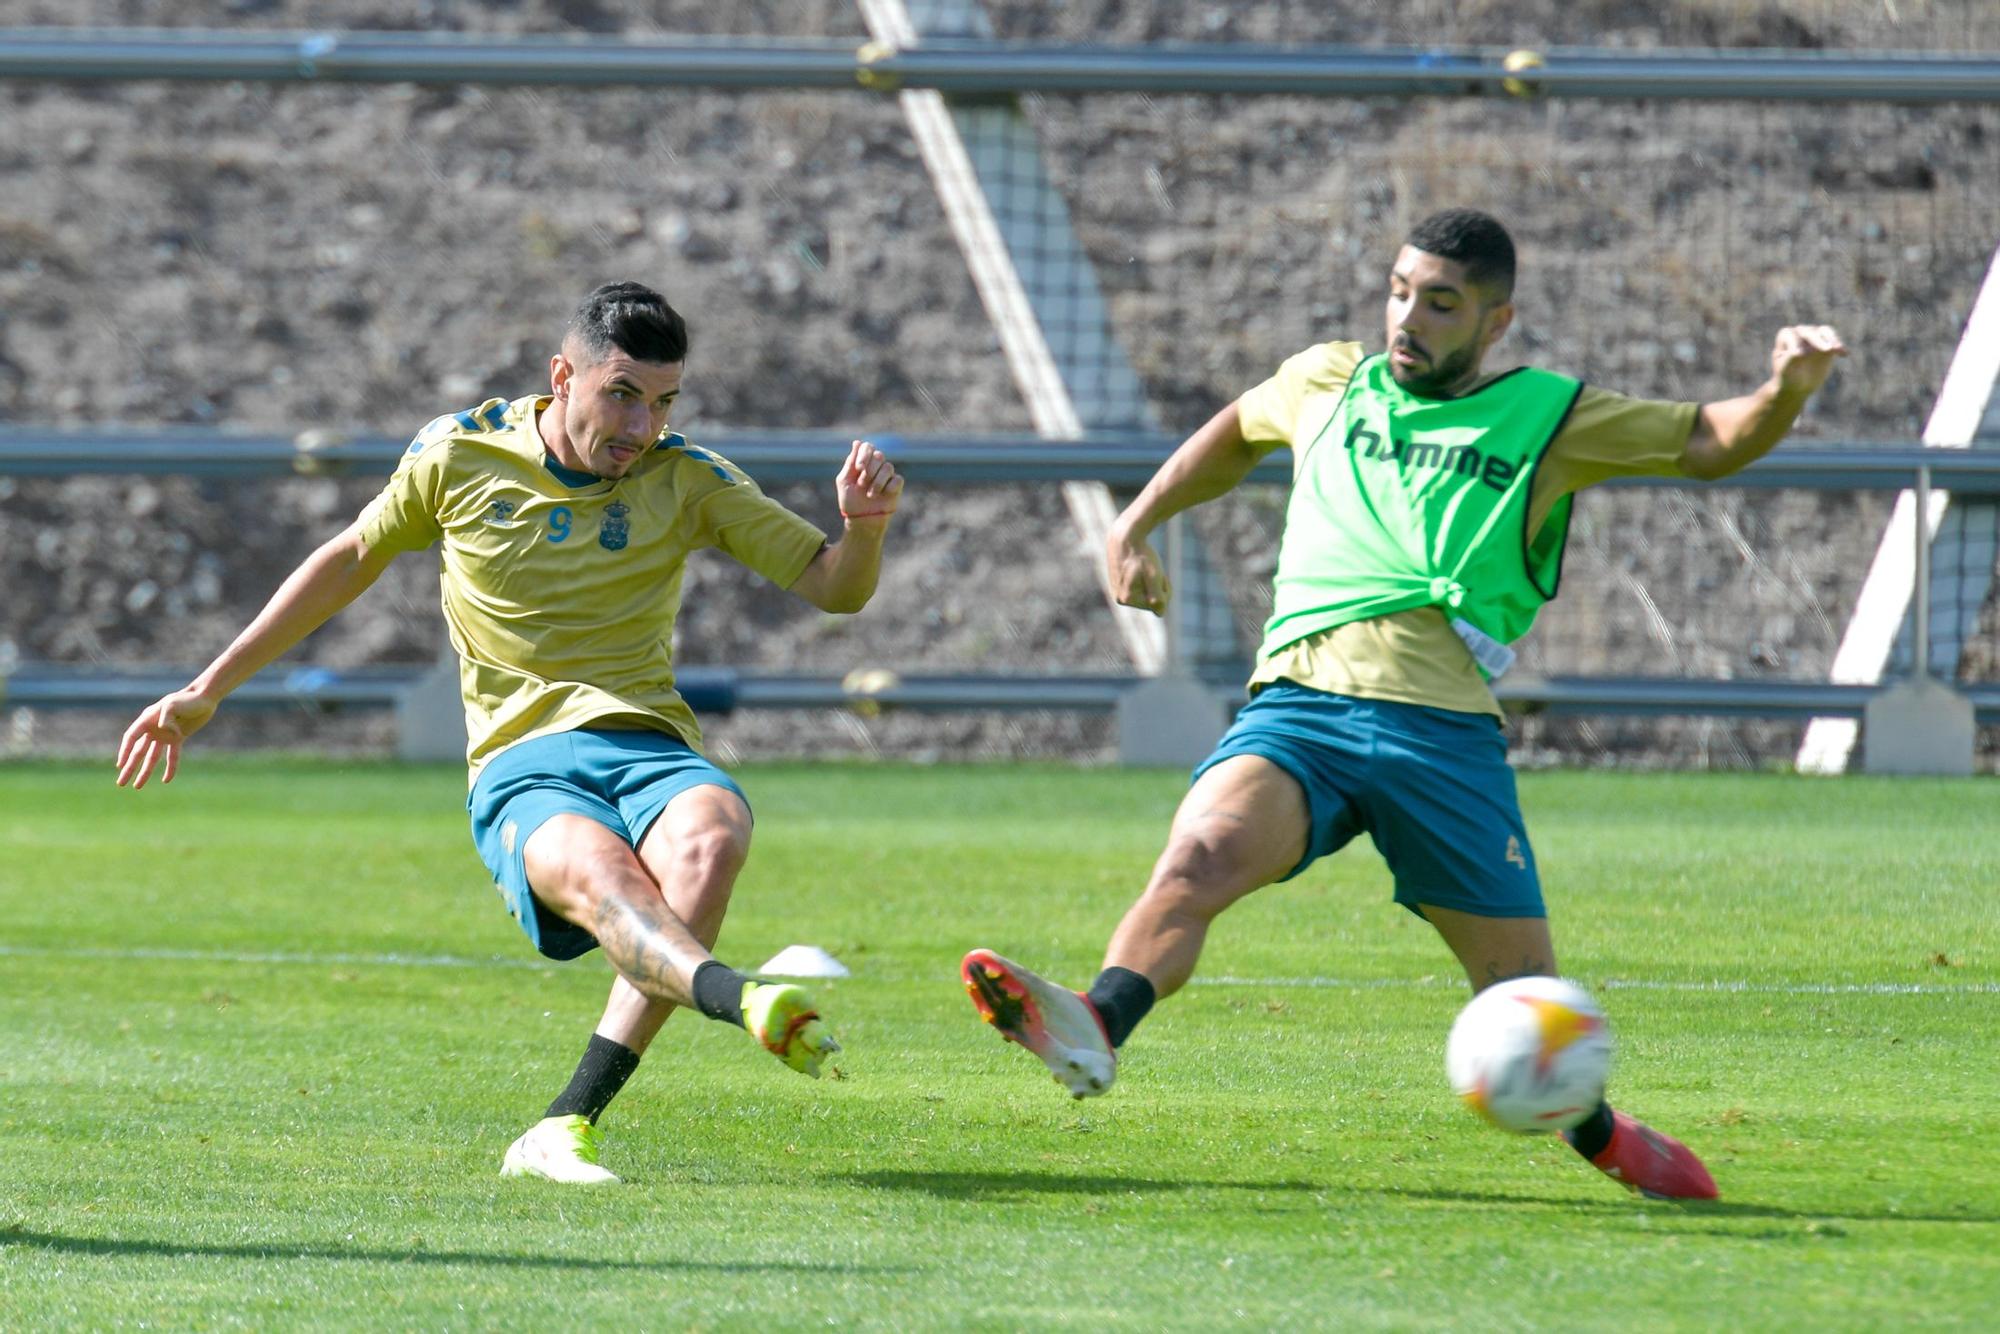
pixel 656 914
pixel 1493 949
pixel 1242 825
pixel 693 852
pixel 589 876
pixel 573 862
pixel 631 1018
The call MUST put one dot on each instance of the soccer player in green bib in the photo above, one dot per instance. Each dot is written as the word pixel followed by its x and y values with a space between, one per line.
pixel 1429 506
pixel 565 521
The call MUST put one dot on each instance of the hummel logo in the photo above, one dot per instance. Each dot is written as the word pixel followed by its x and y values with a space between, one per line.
pixel 1514 853
pixel 1464 460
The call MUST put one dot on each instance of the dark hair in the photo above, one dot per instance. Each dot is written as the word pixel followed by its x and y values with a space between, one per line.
pixel 632 318
pixel 1473 239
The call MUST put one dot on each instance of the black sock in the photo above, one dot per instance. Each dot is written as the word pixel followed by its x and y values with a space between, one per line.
pixel 1122 998
pixel 718 992
pixel 605 1067
pixel 1590 1135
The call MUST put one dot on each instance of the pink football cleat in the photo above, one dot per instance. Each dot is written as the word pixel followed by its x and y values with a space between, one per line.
pixel 1658 1166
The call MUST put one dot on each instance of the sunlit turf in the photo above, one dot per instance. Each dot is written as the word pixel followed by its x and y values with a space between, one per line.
pixel 264 1034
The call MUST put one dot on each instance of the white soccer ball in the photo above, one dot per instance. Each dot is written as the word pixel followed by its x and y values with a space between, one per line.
pixel 1530 1054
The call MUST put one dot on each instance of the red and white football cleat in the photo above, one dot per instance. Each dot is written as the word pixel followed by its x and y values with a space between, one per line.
pixel 1055 1024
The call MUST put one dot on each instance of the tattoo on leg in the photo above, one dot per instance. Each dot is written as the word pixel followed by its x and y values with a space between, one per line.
pixel 1531 966
pixel 645 953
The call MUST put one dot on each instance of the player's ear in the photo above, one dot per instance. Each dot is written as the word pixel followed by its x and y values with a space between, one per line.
pixel 561 371
pixel 1498 320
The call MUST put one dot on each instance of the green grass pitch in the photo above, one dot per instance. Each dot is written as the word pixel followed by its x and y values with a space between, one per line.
pixel 265 1033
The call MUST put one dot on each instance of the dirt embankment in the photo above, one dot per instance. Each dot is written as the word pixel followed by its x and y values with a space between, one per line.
pixel 284 258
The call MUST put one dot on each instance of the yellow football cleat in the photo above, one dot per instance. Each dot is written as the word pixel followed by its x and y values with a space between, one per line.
pixel 781 1016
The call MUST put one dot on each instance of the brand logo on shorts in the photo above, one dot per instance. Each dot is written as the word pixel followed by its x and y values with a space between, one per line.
pixel 1514 853
pixel 616 529
pixel 508 833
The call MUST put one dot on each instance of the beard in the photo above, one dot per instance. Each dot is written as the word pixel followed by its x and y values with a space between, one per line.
pixel 1442 377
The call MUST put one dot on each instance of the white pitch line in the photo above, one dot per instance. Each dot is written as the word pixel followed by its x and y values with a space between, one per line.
pixel 1721 985
pixel 138 955
pixel 1630 984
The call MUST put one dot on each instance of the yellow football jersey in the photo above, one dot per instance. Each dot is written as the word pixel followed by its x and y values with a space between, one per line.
pixel 560 588
pixel 1415 657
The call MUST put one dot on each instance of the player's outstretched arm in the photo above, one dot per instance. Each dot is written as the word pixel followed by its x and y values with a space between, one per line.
pixel 1209 463
pixel 1732 434
pixel 326 581
pixel 842 577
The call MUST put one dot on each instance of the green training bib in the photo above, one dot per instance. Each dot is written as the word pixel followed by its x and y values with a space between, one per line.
pixel 1403 501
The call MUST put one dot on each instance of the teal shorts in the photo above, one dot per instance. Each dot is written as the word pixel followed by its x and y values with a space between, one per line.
pixel 621 779
pixel 1431 787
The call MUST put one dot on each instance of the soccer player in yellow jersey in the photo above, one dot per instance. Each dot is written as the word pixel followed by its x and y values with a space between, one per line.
pixel 565 521
pixel 1429 507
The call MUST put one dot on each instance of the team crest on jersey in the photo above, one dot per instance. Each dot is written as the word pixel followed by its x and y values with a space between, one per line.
pixel 616 530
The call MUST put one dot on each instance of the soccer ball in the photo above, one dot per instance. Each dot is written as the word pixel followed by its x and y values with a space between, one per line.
pixel 1530 1054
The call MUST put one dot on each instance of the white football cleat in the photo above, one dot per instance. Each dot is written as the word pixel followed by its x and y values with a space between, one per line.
pixel 1056 1024
pixel 560 1148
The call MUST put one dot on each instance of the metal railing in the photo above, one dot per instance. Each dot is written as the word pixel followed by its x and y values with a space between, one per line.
pixel 718 690
pixel 724 690
pixel 780 457
pixel 982 68
pixel 777 457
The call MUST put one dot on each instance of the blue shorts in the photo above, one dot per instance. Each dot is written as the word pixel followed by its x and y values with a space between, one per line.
pixel 621 779
pixel 1432 787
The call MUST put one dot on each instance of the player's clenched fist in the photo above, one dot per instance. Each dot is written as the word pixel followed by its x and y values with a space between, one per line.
pixel 1137 580
pixel 1802 357
pixel 868 485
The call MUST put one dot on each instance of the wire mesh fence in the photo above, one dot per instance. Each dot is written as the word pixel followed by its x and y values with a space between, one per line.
pixel 1663 245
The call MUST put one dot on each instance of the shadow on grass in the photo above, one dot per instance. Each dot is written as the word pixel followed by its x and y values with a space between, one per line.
pixel 1622 1203
pixel 990 1185
pixel 981 1185
pixel 180 1250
